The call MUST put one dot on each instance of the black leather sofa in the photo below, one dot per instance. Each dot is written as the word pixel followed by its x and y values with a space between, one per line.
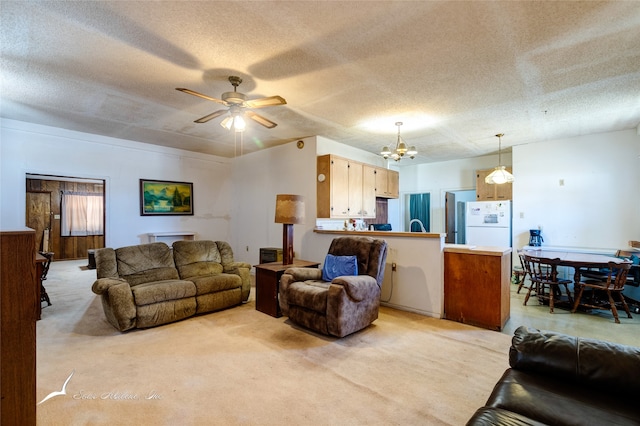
pixel 556 379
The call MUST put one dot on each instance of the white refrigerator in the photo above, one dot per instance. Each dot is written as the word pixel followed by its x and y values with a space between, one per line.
pixel 488 223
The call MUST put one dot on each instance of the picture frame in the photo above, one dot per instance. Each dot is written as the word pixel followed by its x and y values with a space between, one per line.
pixel 166 198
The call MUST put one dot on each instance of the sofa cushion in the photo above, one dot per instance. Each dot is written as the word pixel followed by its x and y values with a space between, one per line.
pixel 161 291
pixel 152 276
pixel 146 263
pixel 165 312
pixel 490 416
pixel 311 294
pixel 196 258
pixel 219 282
pixel 595 363
pixel 562 402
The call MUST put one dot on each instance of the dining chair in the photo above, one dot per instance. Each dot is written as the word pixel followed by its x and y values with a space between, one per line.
pixel 44 297
pixel 543 274
pixel 612 284
pixel 520 272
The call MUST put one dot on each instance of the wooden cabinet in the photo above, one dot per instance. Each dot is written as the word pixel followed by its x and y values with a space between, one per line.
pixel 476 286
pixel 492 192
pixel 19 303
pixel 341 189
pixel 387 183
pixel 369 191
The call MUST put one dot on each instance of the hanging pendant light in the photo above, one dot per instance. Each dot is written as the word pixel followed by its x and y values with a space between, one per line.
pixel 499 175
pixel 401 148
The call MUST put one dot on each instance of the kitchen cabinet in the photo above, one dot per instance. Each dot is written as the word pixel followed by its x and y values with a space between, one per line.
pixel 387 183
pixel 369 191
pixel 492 192
pixel 476 285
pixel 341 189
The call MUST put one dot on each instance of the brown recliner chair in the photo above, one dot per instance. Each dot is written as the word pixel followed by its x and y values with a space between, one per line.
pixel 345 304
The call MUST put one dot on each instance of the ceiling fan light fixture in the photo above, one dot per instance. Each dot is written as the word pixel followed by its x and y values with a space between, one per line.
pixel 239 124
pixel 499 175
pixel 400 150
pixel 238 107
pixel 227 123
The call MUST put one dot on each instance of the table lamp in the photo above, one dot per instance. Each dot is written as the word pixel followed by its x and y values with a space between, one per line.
pixel 289 210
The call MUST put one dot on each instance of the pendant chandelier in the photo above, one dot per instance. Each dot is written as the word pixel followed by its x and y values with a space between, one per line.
pixel 401 148
pixel 499 175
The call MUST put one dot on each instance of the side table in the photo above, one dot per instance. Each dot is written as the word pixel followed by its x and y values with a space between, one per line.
pixel 268 281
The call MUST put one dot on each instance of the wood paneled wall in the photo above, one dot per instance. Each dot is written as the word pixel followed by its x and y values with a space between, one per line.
pixel 382 212
pixel 64 247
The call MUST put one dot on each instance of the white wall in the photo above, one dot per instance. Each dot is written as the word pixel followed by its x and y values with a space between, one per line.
pixel 438 178
pixel 598 206
pixel 258 177
pixel 28 148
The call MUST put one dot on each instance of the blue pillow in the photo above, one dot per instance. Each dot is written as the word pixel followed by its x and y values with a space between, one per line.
pixel 635 259
pixel 338 266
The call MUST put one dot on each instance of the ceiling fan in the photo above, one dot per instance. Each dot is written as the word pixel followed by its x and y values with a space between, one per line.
pixel 238 106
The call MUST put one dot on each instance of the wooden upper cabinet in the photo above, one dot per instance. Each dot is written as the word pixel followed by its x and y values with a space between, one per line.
pixel 489 192
pixel 343 191
pixel 387 183
pixel 368 191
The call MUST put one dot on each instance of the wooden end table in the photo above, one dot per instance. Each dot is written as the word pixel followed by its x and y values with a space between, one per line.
pixel 268 282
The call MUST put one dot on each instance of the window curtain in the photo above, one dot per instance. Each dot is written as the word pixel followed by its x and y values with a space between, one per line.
pixel 420 208
pixel 82 214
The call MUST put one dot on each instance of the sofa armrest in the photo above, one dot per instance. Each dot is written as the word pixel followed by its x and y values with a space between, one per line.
pixel 231 268
pixel 242 269
pixel 117 301
pixel 101 285
pixel 303 274
pixel 357 287
pixel 595 363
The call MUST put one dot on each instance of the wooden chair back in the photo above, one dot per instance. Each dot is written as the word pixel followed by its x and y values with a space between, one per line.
pixel 541 269
pixel 617 276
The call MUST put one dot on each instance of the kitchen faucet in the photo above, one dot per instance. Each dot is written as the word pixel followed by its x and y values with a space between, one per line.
pixel 419 223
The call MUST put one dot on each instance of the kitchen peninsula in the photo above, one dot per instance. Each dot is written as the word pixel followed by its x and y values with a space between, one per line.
pixel 417 284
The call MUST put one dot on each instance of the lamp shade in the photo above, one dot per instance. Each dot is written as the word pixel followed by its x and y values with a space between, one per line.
pixel 499 176
pixel 289 208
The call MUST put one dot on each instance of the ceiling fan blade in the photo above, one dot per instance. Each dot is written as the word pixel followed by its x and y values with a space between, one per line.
pixel 200 95
pixel 265 102
pixel 260 120
pixel 211 116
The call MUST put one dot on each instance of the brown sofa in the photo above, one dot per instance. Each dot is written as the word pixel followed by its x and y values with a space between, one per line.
pixel 149 284
pixel 556 379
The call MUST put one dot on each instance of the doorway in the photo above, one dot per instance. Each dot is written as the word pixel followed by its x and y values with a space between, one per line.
pixel 418 212
pixel 455 208
pixel 44 213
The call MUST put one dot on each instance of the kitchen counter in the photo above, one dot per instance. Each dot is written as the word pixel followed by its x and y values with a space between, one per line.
pixel 483 250
pixel 413 277
pixel 378 234
pixel 477 285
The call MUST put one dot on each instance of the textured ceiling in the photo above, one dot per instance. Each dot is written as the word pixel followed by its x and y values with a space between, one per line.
pixel 456 73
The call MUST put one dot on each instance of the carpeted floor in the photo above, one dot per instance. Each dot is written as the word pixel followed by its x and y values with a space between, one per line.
pixel 242 367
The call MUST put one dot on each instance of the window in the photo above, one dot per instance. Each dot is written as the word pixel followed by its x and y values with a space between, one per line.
pixel 82 214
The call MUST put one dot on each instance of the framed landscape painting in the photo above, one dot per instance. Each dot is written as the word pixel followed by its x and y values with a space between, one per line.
pixel 161 197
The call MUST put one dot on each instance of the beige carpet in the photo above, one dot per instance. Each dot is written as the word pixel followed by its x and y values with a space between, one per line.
pixel 240 366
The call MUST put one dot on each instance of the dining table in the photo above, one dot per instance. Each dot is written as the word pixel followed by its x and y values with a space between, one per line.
pixel 576 260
